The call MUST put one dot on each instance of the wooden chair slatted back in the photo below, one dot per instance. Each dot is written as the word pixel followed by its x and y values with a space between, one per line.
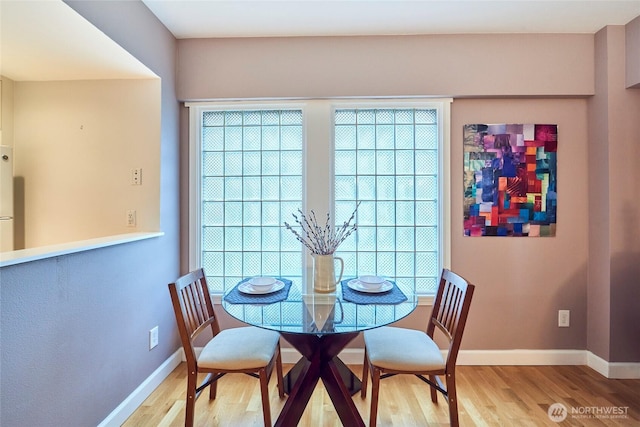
pixel 196 308
pixel 450 310
pixel 450 307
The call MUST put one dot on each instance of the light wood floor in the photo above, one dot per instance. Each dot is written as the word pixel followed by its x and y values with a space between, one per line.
pixel 487 396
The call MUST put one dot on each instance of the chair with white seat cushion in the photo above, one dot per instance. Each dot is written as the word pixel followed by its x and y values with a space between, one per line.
pixel 248 350
pixel 391 350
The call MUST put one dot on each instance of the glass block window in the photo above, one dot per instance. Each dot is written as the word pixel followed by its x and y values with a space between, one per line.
pixel 251 181
pixel 388 160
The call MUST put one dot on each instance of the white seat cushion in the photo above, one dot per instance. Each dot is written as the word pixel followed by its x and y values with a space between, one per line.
pixel 402 349
pixel 239 348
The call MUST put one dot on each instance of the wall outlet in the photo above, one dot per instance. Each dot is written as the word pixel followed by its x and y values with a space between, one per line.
pixel 563 318
pixel 131 218
pixel 136 176
pixel 153 337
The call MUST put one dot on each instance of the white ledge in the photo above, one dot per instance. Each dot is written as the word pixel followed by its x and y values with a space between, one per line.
pixel 50 251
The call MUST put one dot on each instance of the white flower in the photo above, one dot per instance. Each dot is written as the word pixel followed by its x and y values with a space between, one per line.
pixel 322 240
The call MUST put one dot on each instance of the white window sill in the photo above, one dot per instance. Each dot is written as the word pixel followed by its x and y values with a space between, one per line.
pixel 426 299
pixel 43 252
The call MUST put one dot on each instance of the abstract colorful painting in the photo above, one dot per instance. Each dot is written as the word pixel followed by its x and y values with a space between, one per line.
pixel 510 180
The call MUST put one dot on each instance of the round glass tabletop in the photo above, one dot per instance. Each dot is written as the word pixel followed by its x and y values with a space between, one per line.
pixel 300 310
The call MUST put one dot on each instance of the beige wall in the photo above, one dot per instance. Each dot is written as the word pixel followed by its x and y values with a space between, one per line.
pixel 614 224
pixel 632 53
pixel 75 144
pixel 599 301
pixel 453 65
pixel 521 282
pixel 6 114
pixel 575 81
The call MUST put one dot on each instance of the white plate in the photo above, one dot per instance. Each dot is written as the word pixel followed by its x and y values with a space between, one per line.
pixel 246 288
pixel 357 286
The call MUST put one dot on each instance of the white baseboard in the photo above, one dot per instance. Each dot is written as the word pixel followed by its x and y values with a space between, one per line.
pixel 124 410
pixel 613 370
pixel 610 370
pixel 522 357
pixel 354 356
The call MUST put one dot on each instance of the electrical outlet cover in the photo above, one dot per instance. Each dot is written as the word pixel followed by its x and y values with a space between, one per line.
pixel 131 218
pixel 564 317
pixel 153 337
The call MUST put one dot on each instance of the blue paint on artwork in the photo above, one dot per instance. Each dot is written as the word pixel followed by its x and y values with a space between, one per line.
pixel 540 216
pixel 487 185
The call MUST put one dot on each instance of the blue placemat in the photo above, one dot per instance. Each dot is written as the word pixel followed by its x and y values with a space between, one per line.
pixel 392 296
pixel 234 296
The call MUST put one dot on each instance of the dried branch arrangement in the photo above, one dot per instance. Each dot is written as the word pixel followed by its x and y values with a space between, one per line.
pixel 321 240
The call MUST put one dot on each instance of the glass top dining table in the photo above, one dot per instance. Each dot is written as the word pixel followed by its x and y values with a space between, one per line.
pixel 319 326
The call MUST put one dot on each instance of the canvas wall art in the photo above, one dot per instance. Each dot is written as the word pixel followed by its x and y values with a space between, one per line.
pixel 510 180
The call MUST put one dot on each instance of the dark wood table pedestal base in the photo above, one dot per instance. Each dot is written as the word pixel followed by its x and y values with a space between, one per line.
pixel 351 380
pixel 320 362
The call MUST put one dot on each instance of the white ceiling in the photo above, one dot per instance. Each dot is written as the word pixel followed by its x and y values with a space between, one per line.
pixel 270 18
pixel 47 40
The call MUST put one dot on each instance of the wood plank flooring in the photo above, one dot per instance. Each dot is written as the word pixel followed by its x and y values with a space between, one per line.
pixel 487 396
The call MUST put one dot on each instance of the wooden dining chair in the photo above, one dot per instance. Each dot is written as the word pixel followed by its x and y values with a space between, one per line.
pixel 391 350
pixel 248 350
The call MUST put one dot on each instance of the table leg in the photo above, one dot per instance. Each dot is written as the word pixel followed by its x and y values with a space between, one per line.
pixel 350 379
pixel 340 396
pixel 319 352
pixel 293 374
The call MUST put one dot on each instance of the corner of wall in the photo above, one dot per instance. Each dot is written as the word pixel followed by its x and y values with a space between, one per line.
pixel 632 54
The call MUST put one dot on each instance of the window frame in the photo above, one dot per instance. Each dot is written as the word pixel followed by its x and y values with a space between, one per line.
pixel 318 125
